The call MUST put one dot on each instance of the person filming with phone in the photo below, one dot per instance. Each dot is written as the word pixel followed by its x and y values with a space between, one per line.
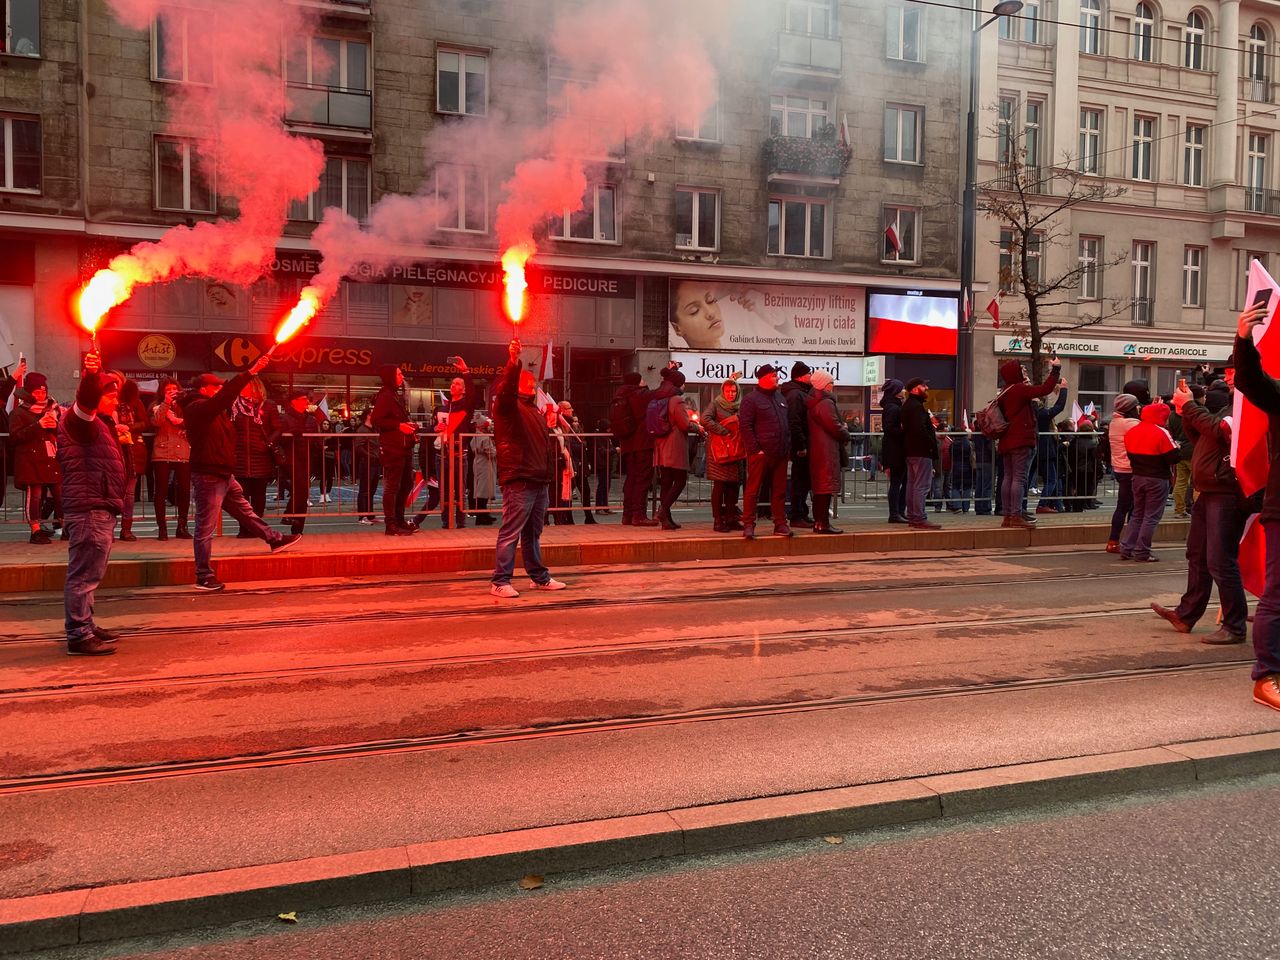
pixel 1019 440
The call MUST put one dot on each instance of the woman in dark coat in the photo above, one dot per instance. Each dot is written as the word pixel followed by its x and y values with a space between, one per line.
pixel 131 423
pixel 827 435
pixel 893 455
pixel 726 455
pixel 34 433
pixel 257 425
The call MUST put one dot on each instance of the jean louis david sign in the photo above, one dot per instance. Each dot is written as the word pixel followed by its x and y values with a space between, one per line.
pixel 1139 351
pixel 718 367
pixel 709 315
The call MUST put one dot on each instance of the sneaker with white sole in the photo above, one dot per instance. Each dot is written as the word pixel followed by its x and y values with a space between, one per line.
pixel 504 590
pixel 551 584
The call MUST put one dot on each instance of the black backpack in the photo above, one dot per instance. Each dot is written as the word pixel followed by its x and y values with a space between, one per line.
pixel 622 419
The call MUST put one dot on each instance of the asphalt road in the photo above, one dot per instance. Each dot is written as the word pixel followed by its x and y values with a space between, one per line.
pixel 327 718
pixel 1185 875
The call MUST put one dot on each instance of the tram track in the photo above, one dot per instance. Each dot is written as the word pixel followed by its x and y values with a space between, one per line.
pixel 116 775
pixel 583 603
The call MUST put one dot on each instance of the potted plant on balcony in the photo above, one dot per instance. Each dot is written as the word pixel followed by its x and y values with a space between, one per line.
pixel 821 155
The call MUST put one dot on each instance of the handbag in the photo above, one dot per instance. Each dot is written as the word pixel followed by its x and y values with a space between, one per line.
pixel 725 448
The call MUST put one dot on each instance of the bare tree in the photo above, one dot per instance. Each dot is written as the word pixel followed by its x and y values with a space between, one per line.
pixel 1029 201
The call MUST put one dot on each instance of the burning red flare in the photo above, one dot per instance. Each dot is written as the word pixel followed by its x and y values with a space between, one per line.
pixel 108 288
pixel 307 307
pixel 513 280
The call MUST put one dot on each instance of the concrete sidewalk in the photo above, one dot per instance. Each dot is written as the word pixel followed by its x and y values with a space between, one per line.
pixel 367 552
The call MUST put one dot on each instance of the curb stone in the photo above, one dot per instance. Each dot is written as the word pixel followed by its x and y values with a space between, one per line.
pixel 395 873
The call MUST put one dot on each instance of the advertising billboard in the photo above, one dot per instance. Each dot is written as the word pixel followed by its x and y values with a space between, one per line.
pixel 712 315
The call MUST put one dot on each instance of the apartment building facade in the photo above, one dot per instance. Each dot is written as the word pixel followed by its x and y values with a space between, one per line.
pixel 835 120
pixel 1175 103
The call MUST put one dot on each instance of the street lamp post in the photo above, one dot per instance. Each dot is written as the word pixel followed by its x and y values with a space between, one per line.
pixel 968 228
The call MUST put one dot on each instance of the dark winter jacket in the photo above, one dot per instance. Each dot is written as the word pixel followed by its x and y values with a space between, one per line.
pixel 254 441
pixel 34 447
pixel 961 462
pixel 1046 417
pixel 1264 393
pixel 1211 470
pixel 302 450
pixel 919 438
pixel 1139 389
pixel 892 453
pixel 672 450
pixel 1015 402
pixel 796 393
pixel 1152 452
pixel 389 411
pixel 766 427
pixel 826 436
pixel 210 430
pixel 637 398
pixel 93 468
pixel 527 450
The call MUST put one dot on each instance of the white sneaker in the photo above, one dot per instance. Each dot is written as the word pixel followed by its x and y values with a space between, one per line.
pixel 324 498
pixel 504 590
pixel 366 521
pixel 552 584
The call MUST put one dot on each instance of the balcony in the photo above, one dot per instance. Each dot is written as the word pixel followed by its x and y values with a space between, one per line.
pixel 328 107
pixel 809 54
pixel 821 157
pixel 1017 178
pixel 1262 201
pixel 1144 312
pixel 1257 89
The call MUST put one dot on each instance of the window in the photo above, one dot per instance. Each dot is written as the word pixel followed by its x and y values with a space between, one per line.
pixel 902 134
pixel 344 184
pixel 1008 108
pixel 21 27
pixel 1090 26
pixel 464 203
pixel 1030 14
pixel 903 221
pixel 794 116
pixel 808 16
pixel 1256 54
pixel 1193 42
pixel 570 105
pixel 798 227
pixel 1011 261
pixel 1143 275
pixel 1256 172
pixel 597 221
pixel 697 218
pixel 328 62
pixel 904 36
pixel 1090 147
pixel 20 154
pixel 1193 156
pixel 1144 32
pixel 708 128
pixel 1090 270
pixel 1031 134
pixel 462 82
pixel 179 184
pixel 1144 135
pixel 180 49
pixel 1098 384
pixel 1192 268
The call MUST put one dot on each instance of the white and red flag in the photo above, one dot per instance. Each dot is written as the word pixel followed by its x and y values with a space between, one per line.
pixel 891 238
pixel 993 308
pixel 547 370
pixel 1253 555
pixel 1249 424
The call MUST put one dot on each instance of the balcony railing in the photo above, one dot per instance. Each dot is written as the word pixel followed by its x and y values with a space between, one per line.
pixel 1262 201
pixel 808 52
pixel 327 107
pixel 1257 89
pixel 1144 314
pixel 806 156
pixel 1016 178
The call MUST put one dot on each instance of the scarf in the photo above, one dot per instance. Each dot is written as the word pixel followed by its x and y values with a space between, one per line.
pixel 728 408
pixel 38 411
pixel 244 407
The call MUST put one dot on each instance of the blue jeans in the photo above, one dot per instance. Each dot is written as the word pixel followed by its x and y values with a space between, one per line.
pixel 524 506
pixel 1052 494
pixel 1266 619
pixel 982 488
pixel 1124 503
pixel 960 495
pixel 919 483
pixel 88 550
pixel 1149 496
pixel 213 494
pixel 1213 549
pixel 1013 485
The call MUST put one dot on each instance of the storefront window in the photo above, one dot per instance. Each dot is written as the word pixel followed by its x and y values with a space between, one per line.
pixel 1099 383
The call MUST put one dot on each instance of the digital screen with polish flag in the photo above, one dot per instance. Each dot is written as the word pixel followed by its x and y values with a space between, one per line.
pixel 911 322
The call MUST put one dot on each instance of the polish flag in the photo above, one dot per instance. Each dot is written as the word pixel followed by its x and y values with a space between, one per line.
pixel 547 371
pixel 968 309
pixel 993 308
pixel 1253 555
pixel 964 421
pixel 1076 413
pixel 921 325
pixel 1089 409
pixel 1249 434
pixel 891 237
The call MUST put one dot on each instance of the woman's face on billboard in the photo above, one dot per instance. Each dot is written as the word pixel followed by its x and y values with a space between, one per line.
pixel 697 317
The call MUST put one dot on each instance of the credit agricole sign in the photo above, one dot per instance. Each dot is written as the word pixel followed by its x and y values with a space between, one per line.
pixel 1137 350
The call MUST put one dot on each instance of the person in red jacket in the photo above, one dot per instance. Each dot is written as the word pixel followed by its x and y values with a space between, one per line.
pixel 1152 455
pixel 1019 441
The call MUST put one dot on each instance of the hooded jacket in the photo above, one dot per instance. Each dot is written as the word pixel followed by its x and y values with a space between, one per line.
pixel 637 397
pixel 389 412
pixel 892 452
pixel 1152 452
pixel 527 450
pixel 209 428
pixel 34 447
pixel 1125 419
pixel 827 435
pixel 1015 401
pixel 1209 431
